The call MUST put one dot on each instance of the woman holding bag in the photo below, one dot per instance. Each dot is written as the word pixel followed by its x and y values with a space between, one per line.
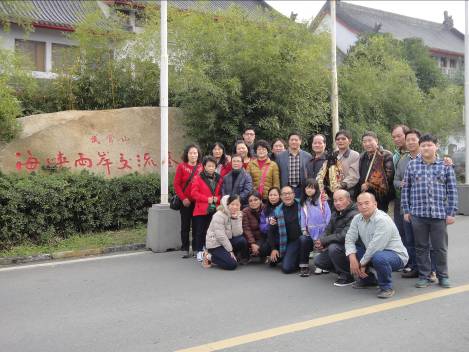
pixel 264 172
pixel 182 183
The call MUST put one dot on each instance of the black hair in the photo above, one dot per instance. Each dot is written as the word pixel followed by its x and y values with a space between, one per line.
pixel 208 158
pixel 318 135
pixel 345 133
pixel 262 143
pixel 310 183
pixel 255 194
pixel 232 198
pixel 239 141
pixel 185 153
pixel 279 140
pixel 236 156
pixel 370 134
pixel 428 138
pixel 414 131
pixel 249 128
pixel 269 207
pixel 294 133
pixel 405 128
pixel 223 156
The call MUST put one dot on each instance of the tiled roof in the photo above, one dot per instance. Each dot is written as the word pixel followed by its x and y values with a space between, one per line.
pixel 364 19
pixel 66 14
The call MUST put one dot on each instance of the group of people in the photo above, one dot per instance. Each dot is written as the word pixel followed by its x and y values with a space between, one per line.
pixel 285 206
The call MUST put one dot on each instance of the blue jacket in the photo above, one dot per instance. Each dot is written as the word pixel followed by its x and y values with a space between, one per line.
pixel 282 161
pixel 242 186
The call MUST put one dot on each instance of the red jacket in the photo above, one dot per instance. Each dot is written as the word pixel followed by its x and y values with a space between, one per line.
pixel 183 171
pixel 200 192
pixel 224 169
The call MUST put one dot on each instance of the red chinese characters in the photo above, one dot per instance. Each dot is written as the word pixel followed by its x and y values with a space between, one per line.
pixel 31 164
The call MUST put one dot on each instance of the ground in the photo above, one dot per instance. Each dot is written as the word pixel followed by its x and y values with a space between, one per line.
pixel 159 302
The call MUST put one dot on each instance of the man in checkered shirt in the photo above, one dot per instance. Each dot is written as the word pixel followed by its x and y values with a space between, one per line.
pixel 429 200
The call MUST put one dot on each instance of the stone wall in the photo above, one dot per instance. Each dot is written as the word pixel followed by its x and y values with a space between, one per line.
pixel 108 142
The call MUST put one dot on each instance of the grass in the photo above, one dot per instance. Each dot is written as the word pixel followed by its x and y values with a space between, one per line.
pixel 81 241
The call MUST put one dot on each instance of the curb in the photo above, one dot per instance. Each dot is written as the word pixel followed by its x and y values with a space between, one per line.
pixel 70 254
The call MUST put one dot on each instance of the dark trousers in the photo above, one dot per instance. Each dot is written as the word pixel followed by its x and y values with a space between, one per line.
pixel 200 227
pixel 264 247
pixel 240 246
pixel 399 218
pixel 430 233
pixel 222 258
pixel 334 259
pixel 297 253
pixel 306 246
pixel 297 191
pixel 409 244
pixel 186 222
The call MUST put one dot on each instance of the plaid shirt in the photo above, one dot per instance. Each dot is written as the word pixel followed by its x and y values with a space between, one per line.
pixel 429 190
pixel 294 167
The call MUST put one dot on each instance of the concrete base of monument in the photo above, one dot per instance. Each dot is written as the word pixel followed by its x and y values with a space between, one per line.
pixel 463 196
pixel 163 229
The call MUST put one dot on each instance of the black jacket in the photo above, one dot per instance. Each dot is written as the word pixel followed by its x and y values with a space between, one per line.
pixel 339 225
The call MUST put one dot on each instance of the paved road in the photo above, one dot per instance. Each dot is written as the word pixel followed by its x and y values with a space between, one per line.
pixel 159 302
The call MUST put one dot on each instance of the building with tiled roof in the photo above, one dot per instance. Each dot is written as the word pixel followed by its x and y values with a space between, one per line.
pixel 446 43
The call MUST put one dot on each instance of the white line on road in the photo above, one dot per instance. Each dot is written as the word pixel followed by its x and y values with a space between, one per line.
pixel 72 261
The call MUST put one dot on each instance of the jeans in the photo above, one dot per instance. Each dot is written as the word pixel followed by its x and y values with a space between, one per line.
pixel 291 259
pixel 222 258
pixel 384 262
pixel 431 234
pixel 186 220
pixel 240 246
pixel 200 227
pixel 306 246
pixel 334 259
pixel 264 247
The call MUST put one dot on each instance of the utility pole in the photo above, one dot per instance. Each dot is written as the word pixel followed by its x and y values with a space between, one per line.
pixel 164 102
pixel 335 89
pixel 466 88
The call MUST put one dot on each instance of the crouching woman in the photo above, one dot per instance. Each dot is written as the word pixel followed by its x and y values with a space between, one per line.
pixel 225 235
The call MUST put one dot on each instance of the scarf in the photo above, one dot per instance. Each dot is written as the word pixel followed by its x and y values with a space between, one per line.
pixel 282 228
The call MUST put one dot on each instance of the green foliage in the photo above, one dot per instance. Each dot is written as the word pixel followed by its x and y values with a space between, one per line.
pixel 38 208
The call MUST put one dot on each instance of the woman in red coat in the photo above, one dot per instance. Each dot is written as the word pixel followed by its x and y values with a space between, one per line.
pixel 218 151
pixel 206 191
pixel 185 173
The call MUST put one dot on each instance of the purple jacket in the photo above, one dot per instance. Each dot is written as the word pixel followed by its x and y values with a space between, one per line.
pixel 314 219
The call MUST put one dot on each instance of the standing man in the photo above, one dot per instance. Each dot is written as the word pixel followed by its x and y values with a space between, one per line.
pixel 292 164
pixel 249 137
pixel 429 201
pixel 348 160
pixel 318 146
pixel 382 243
pixel 376 171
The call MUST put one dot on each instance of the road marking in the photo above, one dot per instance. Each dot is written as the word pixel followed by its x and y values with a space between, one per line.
pixel 329 319
pixel 71 261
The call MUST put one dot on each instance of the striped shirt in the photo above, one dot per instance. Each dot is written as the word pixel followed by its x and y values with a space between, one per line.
pixel 429 190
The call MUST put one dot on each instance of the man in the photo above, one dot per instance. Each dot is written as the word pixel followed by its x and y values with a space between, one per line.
pixel 376 171
pixel 249 136
pixel 292 164
pixel 318 145
pixel 332 244
pixel 429 201
pixel 348 159
pixel 383 248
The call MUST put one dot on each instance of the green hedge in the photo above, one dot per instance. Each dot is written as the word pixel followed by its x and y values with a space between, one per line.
pixel 40 208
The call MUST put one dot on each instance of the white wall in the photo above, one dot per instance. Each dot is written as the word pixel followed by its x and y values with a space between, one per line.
pixel 345 37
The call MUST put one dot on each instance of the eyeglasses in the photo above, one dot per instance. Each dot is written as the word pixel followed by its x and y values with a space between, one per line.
pixel 287 193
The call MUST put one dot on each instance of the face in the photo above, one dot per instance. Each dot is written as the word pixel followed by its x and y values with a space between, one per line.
pixel 310 191
pixel 342 142
pixel 236 163
pixel 217 152
pixel 369 144
pixel 254 202
pixel 428 150
pixel 341 201
pixel 366 204
pixel 294 142
pixel 287 195
pixel 278 147
pixel 234 207
pixel 318 145
pixel 210 168
pixel 398 137
pixel 274 197
pixel 261 152
pixel 412 143
pixel 242 149
pixel 192 155
pixel 249 136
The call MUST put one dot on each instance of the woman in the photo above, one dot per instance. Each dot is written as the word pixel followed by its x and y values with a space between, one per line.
pixel 242 149
pixel 224 235
pixel 237 181
pixel 182 184
pixel 264 172
pixel 206 192
pixel 273 201
pixel 251 226
pixel 223 163
pixel 315 215
pixel 278 146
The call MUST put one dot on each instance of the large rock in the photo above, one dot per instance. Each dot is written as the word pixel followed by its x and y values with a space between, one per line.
pixel 109 142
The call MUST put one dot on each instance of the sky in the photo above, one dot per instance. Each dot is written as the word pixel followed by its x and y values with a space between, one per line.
pixel 425 10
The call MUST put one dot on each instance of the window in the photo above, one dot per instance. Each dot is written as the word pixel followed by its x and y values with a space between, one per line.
pixel 452 63
pixel 62 56
pixel 443 62
pixel 34 51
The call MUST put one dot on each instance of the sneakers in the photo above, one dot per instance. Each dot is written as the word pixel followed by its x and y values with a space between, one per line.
pixel 319 271
pixel 385 293
pixel 444 282
pixel 362 285
pixel 200 256
pixel 410 274
pixel 304 271
pixel 341 282
pixel 186 255
pixel 422 283
pixel 432 278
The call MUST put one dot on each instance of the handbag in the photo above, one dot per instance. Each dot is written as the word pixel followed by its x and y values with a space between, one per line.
pixel 175 202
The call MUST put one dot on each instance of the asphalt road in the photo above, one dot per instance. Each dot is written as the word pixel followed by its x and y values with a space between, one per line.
pixel 159 302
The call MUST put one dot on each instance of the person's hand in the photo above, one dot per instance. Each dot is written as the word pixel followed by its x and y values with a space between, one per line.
pixel 362 274
pixel 186 202
pixel 355 268
pixel 402 183
pixel 210 200
pixel 364 187
pixel 272 221
pixel 233 256
pixel 447 161
pixel 318 245
pixel 407 217
pixel 255 249
pixel 450 220
pixel 214 199
pixel 323 197
pixel 274 255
